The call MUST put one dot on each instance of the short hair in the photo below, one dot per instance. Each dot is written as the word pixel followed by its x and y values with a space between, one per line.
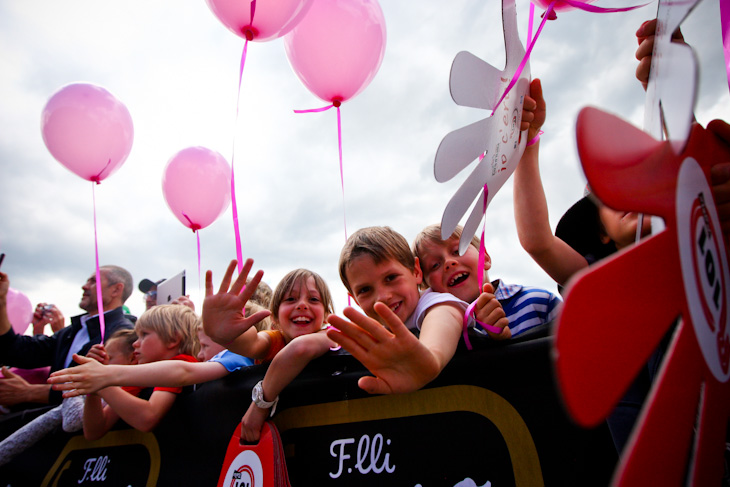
pixel 432 233
pixel 292 279
pixel 115 275
pixel 262 295
pixel 380 243
pixel 127 337
pixel 172 322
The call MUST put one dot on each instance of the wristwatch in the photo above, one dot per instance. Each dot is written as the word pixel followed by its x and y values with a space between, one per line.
pixel 257 396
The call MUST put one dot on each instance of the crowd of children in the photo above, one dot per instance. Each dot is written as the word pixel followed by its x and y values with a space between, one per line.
pixel 415 302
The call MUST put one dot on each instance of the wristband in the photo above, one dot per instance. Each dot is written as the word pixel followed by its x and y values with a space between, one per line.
pixel 257 396
pixel 535 138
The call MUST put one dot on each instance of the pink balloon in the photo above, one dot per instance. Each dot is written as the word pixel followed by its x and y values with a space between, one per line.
pixel 20 311
pixel 271 18
pixel 338 47
pixel 196 184
pixel 87 130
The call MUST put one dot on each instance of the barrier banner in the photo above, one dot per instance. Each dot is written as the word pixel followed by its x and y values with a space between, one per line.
pixel 492 418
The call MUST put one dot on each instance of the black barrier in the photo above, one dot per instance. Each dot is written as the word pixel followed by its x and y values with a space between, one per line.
pixel 492 416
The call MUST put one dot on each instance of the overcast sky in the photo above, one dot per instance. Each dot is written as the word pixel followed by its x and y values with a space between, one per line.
pixel 175 67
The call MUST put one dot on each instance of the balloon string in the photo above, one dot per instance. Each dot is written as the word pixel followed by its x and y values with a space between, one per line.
pixel 480 276
pixel 99 284
pixel 550 15
pixel 530 22
pixel 197 236
pixel 725 24
pixel 195 228
pixel 526 57
pixel 336 104
pixel 234 205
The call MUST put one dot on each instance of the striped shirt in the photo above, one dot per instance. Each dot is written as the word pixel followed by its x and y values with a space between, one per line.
pixel 526 307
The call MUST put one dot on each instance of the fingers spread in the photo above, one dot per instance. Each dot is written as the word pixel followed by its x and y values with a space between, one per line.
pixel 226 282
pixel 240 282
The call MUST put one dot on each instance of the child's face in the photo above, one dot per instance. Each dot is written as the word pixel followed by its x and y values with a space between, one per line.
pixel 621 226
pixel 301 312
pixel 208 348
pixel 116 353
pixel 388 282
pixel 448 272
pixel 150 348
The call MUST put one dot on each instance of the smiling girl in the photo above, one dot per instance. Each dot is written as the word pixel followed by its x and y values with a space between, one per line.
pixel 299 307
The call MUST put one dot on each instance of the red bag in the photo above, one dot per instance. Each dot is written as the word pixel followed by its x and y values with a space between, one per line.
pixel 259 465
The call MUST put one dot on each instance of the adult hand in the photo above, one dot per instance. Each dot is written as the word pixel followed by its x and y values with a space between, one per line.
pixel 399 361
pixel 46 314
pixel 223 313
pixel 16 390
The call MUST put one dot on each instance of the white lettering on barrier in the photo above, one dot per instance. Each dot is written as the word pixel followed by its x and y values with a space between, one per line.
pixel 368 455
pixel 95 469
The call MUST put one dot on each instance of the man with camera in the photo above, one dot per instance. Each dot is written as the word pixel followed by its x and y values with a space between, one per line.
pixel 56 351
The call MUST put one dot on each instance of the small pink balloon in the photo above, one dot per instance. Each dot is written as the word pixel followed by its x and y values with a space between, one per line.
pixel 338 47
pixel 87 130
pixel 271 18
pixel 20 311
pixel 196 184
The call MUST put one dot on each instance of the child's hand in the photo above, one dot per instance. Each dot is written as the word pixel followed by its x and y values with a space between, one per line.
pixel 645 37
pixel 533 110
pixel 223 313
pixel 252 422
pixel 489 310
pixel 87 378
pixel 399 361
pixel 98 353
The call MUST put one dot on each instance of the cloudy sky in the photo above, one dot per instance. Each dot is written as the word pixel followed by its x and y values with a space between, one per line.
pixel 175 67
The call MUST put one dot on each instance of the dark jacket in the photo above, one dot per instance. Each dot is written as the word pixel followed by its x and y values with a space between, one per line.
pixel 30 352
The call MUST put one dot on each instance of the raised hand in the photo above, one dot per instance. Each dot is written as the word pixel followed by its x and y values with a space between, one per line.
pixel 398 360
pixel 223 312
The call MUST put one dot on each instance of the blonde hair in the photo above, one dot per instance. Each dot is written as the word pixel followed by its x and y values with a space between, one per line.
pixel 432 234
pixel 380 243
pixel 254 307
pixel 292 279
pixel 172 322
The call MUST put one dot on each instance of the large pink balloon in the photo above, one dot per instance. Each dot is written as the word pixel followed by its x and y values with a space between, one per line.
pixel 271 18
pixel 196 184
pixel 20 311
pixel 338 47
pixel 87 130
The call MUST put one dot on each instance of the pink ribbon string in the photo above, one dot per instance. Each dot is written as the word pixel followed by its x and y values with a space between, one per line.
pixel 530 22
pixel 725 25
pixel 480 277
pixel 234 205
pixel 99 284
pixel 550 15
pixel 195 228
pixel 336 104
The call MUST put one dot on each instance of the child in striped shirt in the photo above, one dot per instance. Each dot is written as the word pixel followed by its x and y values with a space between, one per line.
pixel 445 271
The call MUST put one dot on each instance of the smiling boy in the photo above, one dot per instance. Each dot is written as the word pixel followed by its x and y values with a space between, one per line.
pixel 381 273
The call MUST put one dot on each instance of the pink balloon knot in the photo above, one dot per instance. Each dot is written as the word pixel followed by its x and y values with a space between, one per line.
pixel 551 15
pixel 95 179
pixel 336 102
pixel 249 32
pixel 193 226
